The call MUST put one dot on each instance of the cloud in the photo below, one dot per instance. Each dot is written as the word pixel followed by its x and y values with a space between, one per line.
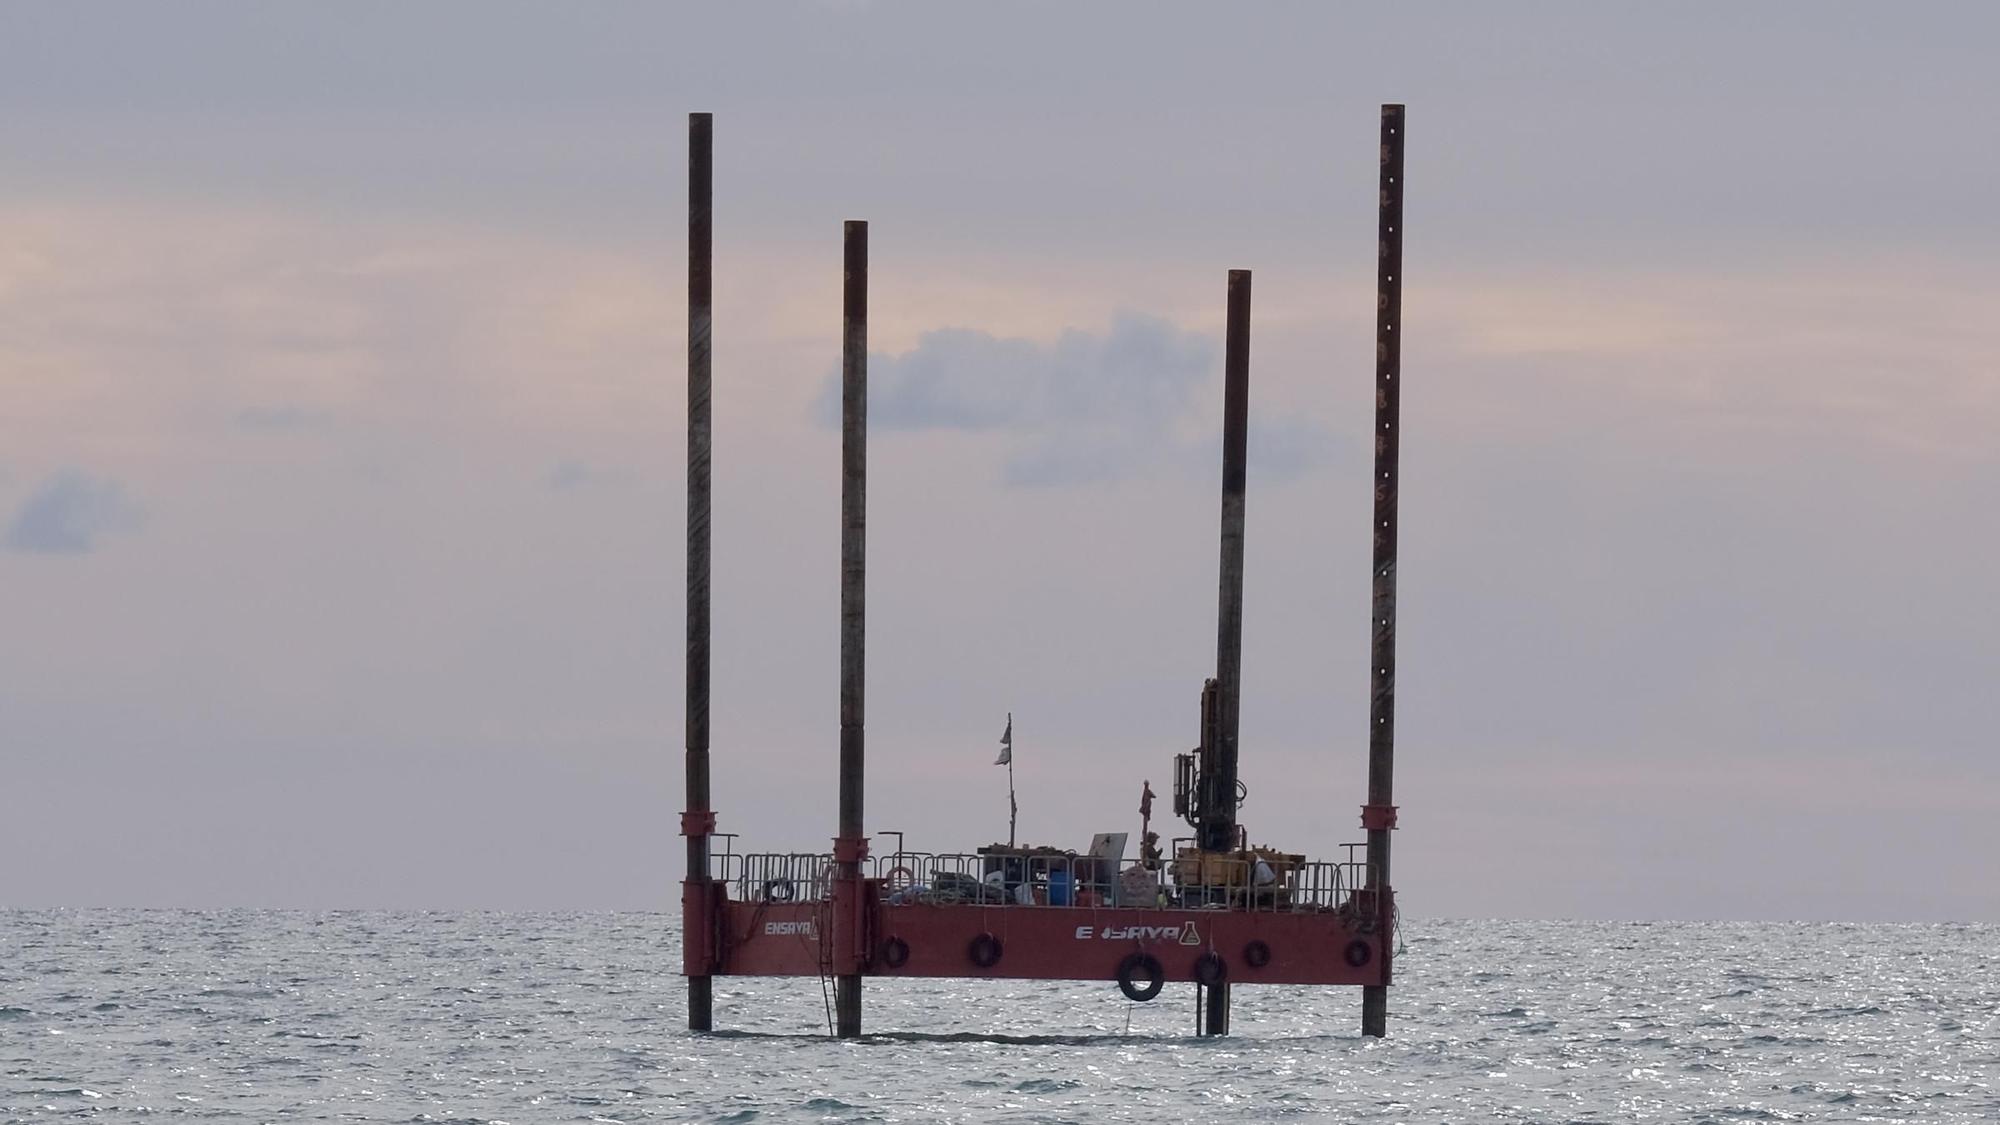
pixel 1083 408
pixel 1888 356
pixel 570 474
pixel 124 325
pixel 1140 374
pixel 68 514
pixel 278 418
pixel 1668 510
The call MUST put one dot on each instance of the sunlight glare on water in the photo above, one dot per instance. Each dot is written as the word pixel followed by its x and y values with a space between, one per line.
pixel 256 1016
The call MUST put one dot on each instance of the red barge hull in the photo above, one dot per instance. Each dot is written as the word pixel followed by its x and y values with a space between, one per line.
pixel 731 938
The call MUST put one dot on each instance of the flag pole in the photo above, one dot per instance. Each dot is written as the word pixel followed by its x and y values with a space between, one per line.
pixel 1013 809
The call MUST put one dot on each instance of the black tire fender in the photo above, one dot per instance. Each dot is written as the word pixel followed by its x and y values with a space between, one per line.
pixel 1256 955
pixel 895 953
pixel 1358 953
pixel 984 950
pixel 1135 966
pixel 1210 969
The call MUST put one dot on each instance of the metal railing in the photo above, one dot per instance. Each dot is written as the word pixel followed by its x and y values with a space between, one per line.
pixel 781 877
pixel 1251 881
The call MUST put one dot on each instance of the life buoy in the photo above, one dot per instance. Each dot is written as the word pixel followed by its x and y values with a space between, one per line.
pixel 895 953
pixel 984 951
pixel 1135 966
pixel 1210 969
pixel 899 877
pixel 1256 955
pixel 1358 953
pixel 779 889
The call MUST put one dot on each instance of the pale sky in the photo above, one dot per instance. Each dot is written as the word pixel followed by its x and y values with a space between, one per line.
pixel 341 439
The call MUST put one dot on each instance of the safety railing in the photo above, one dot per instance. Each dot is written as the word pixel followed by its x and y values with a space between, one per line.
pixel 782 877
pixel 724 864
pixel 1190 879
pixel 1262 879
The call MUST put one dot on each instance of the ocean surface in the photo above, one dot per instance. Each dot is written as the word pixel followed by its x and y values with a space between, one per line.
pixel 259 1016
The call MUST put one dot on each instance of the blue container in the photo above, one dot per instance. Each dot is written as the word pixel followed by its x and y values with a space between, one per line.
pixel 1059 888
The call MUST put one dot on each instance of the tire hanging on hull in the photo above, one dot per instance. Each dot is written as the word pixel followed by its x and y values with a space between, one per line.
pixel 1132 968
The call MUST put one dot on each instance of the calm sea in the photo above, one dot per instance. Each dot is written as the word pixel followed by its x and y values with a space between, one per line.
pixel 257 1016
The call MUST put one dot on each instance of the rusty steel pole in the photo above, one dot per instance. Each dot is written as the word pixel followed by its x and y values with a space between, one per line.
pixel 1219 834
pixel 853 589
pixel 1379 816
pixel 698 821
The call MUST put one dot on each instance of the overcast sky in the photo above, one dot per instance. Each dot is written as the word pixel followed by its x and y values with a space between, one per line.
pixel 341 441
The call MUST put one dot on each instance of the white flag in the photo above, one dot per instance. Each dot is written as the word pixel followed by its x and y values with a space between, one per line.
pixel 1006 744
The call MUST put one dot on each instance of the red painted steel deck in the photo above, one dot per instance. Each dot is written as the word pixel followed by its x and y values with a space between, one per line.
pixel 733 938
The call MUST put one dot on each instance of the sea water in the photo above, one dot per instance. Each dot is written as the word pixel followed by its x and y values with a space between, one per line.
pixel 110 1015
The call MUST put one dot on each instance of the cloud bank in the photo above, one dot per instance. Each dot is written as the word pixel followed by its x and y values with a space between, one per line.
pixel 69 514
pixel 1083 408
